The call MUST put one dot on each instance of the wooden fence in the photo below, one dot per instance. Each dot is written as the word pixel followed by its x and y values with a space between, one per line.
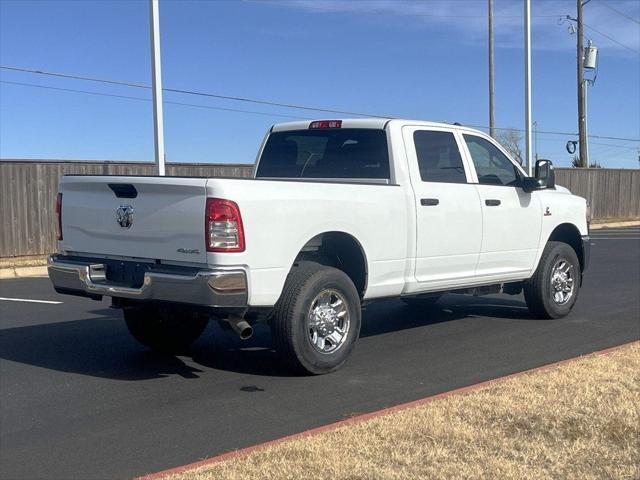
pixel 28 189
pixel 611 192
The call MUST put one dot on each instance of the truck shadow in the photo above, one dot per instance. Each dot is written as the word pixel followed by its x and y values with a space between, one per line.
pixel 394 315
pixel 102 347
pixel 256 356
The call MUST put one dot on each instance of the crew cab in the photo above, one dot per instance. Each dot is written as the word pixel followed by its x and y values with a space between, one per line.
pixel 338 213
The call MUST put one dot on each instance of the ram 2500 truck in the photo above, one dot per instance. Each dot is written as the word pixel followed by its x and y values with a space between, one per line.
pixel 338 213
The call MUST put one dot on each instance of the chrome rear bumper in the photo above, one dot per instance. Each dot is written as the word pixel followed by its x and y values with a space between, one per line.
pixel 220 287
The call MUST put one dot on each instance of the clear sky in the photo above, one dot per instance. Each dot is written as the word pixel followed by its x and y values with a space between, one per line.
pixel 413 59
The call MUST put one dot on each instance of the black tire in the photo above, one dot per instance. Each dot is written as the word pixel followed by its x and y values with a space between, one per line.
pixel 289 326
pixel 422 301
pixel 165 329
pixel 539 290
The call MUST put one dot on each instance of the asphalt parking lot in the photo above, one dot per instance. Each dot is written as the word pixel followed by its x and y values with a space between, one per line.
pixel 80 399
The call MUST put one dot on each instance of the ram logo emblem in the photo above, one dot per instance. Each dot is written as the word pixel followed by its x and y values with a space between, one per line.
pixel 124 216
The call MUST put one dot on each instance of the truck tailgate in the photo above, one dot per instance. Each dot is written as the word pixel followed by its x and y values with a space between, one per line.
pixel 142 217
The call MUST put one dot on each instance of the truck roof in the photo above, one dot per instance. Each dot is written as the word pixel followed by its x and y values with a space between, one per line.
pixel 372 122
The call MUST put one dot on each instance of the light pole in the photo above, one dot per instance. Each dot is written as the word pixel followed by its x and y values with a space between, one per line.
pixel 527 85
pixel 535 139
pixel 156 69
pixel 492 119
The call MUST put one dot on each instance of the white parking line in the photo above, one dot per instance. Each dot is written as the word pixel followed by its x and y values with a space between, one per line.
pixel 29 300
pixel 615 238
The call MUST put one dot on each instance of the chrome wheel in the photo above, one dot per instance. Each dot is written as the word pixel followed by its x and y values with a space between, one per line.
pixel 328 321
pixel 562 281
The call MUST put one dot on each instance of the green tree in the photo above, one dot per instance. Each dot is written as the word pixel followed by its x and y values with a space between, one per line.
pixel 575 163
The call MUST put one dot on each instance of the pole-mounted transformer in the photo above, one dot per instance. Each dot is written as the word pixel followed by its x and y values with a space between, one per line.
pixel 590 57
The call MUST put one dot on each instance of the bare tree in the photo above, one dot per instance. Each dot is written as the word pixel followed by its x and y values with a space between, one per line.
pixel 511 140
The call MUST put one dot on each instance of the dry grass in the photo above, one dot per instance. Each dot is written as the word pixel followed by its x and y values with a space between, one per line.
pixel 579 421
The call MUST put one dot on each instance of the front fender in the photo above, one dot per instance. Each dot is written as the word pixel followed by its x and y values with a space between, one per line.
pixel 564 218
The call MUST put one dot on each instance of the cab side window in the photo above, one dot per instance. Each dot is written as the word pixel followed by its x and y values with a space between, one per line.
pixel 492 166
pixel 439 159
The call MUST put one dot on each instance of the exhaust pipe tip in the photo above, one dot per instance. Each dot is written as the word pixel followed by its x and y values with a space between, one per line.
pixel 241 327
pixel 246 333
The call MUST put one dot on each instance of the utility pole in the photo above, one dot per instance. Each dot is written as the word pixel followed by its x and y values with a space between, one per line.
pixel 582 107
pixel 156 68
pixel 492 120
pixel 585 134
pixel 527 85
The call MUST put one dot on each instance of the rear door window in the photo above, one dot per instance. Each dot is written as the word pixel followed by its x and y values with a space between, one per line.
pixel 356 153
pixel 439 158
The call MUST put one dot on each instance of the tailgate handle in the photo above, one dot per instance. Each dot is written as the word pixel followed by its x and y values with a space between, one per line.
pixel 124 190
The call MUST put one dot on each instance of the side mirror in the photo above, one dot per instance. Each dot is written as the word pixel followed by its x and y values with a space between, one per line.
pixel 529 184
pixel 545 174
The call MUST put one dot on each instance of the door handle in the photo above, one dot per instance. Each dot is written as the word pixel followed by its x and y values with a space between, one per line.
pixel 429 202
pixel 492 202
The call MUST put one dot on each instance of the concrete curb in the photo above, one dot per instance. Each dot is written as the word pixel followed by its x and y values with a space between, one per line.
pixel 22 272
pixel 598 226
pixel 385 411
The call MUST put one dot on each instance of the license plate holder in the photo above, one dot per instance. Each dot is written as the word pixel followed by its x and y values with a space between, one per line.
pixel 127 274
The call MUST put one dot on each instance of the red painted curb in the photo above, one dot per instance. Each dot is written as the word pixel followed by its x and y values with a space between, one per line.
pixel 366 416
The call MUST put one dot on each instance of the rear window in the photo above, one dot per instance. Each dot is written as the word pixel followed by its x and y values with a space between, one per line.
pixel 326 153
pixel 438 157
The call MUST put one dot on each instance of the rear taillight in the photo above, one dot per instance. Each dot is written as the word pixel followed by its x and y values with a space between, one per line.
pixel 59 216
pixel 223 226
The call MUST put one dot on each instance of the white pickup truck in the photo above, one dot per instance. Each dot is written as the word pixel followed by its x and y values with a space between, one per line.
pixel 339 213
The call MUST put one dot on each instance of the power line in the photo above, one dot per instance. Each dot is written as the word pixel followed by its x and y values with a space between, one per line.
pixel 570 134
pixel 611 38
pixel 614 138
pixel 189 92
pixel 256 101
pixel 436 15
pixel 628 17
pixel 607 154
pixel 613 145
pixel 598 151
pixel 273 104
pixel 47 87
pixel 74 77
pixel 253 112
pixel 409 13
pixel 128 97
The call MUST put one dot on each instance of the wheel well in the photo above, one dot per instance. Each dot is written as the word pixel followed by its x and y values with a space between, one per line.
pixel 339 250
pixel 569 234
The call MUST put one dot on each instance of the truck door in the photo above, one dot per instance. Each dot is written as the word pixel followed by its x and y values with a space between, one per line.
pixel 447 206
pixel 512 218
